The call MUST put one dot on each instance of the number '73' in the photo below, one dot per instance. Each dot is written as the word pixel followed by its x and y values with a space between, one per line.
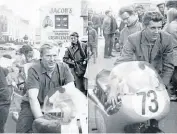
pixel 152 94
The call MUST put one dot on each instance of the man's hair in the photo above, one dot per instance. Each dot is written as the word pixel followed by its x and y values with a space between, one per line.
pixel 171 3
pixel 74 34
pixel 139 6
pixel 25 49
pixel 151 16
pixel 129 9
pixel 47 46
pixel 107 11
pixel 160 4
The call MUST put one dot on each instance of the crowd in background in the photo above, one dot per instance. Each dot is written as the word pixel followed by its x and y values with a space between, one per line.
pixel 116 33
pixel 138 26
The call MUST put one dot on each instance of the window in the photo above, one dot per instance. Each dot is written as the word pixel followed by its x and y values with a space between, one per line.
pixel 61 21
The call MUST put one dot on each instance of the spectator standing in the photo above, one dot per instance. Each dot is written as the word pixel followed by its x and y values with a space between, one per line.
pixel 129 18
pixel 101 23
pixel 92 40
pixel 161 7
pixel 109 29
pixel 139 9
pixel 76 57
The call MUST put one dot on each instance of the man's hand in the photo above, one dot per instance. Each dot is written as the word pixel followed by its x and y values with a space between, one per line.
pixel 113 99
pixel 84 62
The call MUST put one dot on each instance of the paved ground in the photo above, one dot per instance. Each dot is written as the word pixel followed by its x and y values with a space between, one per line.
pixel 168 124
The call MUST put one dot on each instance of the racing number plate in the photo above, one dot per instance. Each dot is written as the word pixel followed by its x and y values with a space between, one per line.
pixel 147 103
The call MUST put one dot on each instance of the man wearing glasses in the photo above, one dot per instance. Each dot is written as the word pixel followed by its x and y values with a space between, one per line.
pixel 151 45
pixel 130 19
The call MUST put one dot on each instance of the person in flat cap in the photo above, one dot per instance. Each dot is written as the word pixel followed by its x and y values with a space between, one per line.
pixel 161 7
pixel 139 9
pixel 92 40
pixel 76 58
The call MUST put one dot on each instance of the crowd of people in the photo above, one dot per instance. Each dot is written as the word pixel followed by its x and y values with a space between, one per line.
pixel 142 35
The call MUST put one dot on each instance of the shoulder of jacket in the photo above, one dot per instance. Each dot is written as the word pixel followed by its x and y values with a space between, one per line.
pixel 36 65
pixel 135 36
pixel 165 36
pixel 61 64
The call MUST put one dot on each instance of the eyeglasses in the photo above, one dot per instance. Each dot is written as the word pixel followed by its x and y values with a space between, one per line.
pixel 126 19
pixel 73 38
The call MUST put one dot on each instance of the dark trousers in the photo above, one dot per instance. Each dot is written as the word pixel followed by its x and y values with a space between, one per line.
pixel 94 50
pixel 174 81
pixel 96 28
pixel 80 84
pixel 25 120
pixel 5 100
pixel 79 81
pixel 108 44
pixel 4 112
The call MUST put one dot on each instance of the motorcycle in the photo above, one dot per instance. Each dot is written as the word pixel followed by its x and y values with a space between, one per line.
pixel 143 100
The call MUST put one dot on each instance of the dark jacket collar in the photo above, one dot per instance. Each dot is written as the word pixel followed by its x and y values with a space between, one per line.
pixel 145 43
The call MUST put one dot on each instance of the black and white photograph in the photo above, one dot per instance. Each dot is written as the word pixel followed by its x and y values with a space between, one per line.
pixel 43 59
pixel 132 70
pixel 88 66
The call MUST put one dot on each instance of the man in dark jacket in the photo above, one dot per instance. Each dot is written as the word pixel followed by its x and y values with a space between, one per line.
pixel 5 98
pixel 151 45
pixel 76 57
pixel 109 29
